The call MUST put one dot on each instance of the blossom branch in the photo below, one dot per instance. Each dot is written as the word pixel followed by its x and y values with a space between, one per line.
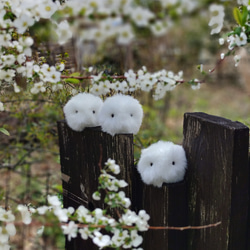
pixel 217 65
pixel 156 228
pixel 91 77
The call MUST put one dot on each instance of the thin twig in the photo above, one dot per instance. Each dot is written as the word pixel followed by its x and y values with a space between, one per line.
pixel 187 227
pixel 216 66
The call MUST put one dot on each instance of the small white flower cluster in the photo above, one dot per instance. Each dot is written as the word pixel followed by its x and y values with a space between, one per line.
pixel 47 74
pixel 13 56
pixel 16 53
pixel 239 35
pixel 121 232
pixel 160 82
pixel 125 230
pixel 116 19
pixel 217 19
pixel 104 18
pixel 28 12
pixel 7 227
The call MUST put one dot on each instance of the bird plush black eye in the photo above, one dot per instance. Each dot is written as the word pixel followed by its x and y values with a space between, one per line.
pixel 131 115
pixel 151 164
pixel 173 163
pixel 93 111
pixel 112 115
pixel 76 111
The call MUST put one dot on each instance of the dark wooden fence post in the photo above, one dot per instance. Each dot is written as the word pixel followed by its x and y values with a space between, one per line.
pixel 216 187
pixel 80 154
pixel 167 206
pixel 218 181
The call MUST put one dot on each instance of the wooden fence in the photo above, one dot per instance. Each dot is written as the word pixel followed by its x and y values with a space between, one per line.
pixel 215 189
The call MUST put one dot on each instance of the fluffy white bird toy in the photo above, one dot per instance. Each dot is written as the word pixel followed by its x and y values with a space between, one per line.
pixel 162 162
pixel 82 110
pixel 121 114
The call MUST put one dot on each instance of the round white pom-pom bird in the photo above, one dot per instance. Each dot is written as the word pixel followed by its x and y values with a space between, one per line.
pixel 162 162
pixel 82 110
pixel 121 114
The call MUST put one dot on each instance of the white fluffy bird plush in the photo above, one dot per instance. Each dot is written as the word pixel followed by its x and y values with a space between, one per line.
pixel 82 110
pixel 121 114
pixel 162 162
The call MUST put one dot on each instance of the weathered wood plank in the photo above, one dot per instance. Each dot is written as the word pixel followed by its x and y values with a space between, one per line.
pixel 218 183
pixel 167 206
pixel 80 154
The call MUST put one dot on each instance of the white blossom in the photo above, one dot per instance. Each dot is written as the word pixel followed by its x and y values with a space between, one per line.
pixel 158 28
pixel 241 39
pixel 136 238
pixel 5 39
pixel 217 19
pixel 141 16
pixel 119 237
pixel 8 75
pixel 8 60
pixel 1 106
pixel 42 210
pixel 231 41
pixel 221 41
pixel 23 22
pixel 125 34
pixel 4 237
pixel 57 87
pixel 96 196
pixel 85 233
pixel 70 230
pixel 16 88
pixel 26 214
pixel 63 32
pixel 83 215
pixel 196 86
pixel 54 201
pixel 47 8
pixel 237 60
pixel 101 240
pixel 114 168
pixel 21 58
pixel 6 216
pixel 11 229
pixel 38 87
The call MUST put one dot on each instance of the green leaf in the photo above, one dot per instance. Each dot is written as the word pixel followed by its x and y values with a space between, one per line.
pixel 72 80
pixel 240 16
pixel 244 15
pixel 237 31
pixel 4 131
pixel 237 15
pixel 75 74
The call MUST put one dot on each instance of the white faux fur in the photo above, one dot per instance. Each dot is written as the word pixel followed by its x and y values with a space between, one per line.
pixel 81 111
pixel 162 162
pixel 121 114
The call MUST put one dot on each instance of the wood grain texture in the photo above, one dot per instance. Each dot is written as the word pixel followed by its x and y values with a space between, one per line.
pixel 218 181
pixel 167 206
pixel 80 154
